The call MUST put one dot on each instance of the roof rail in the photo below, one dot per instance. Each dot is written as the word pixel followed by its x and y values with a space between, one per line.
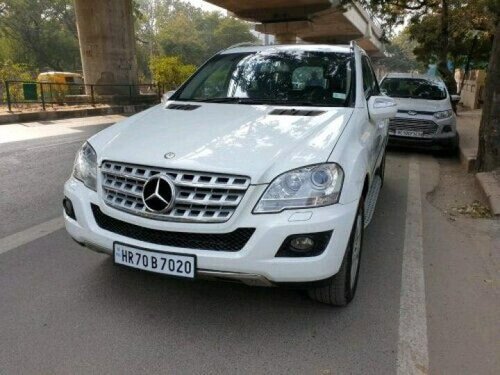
pixel 244 44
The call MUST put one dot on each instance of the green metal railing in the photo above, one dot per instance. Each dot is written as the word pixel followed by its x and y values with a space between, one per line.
pixel 48 93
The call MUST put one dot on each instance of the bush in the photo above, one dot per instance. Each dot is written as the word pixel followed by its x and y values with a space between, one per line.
pixel 10 71
pixel 169 71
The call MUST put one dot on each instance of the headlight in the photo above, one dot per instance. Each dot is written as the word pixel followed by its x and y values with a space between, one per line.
pixel 85 168
pixel 443 114
pixel 313 186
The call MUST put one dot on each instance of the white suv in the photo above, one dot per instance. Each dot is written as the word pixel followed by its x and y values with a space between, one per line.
pixel 425 115
pixel 263 168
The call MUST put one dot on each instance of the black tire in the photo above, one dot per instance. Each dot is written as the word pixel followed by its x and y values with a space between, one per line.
pixel 453 149
pixel 339 290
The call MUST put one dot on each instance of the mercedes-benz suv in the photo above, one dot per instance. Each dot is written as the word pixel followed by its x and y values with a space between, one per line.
pixel 263 168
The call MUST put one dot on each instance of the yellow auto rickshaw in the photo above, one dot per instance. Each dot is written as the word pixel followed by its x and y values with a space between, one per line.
pixel 57 85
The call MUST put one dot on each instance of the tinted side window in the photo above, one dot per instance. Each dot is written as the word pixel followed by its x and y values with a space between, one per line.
pixel 370 84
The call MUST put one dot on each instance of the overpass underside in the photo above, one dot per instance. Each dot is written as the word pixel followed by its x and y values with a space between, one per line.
pixel 107 44
pixel 313 21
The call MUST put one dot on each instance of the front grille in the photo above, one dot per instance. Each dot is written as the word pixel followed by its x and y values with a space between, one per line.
pixel 201 197
pixel 427 127
pixel 233 241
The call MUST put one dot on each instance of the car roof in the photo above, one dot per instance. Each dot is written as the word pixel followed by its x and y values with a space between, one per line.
pixel 281 47
pixel 414 76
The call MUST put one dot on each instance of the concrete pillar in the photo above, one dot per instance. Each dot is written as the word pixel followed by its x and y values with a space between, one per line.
pixel 107 44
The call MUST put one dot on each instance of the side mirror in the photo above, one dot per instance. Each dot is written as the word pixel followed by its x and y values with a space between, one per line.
pixel 167 95
pixel 455 99
pixel 382 108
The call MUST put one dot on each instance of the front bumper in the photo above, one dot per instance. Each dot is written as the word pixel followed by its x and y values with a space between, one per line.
pixel 448 141
pixel 255 261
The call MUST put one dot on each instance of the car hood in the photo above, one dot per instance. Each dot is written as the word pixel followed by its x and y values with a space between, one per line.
pixel 227 138
pixel 423 105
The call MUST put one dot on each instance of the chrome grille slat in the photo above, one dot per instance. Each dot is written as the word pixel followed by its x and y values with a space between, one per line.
pixel 201 197
pixel 427 127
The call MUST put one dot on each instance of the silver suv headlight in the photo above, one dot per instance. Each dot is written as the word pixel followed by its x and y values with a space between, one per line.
pixel 85 167
pixel 313 186
pixel 443 114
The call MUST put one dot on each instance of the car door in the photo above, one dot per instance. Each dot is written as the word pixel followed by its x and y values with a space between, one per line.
pixel 377 130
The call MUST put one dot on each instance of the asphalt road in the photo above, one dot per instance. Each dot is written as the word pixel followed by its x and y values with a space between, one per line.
pixel 67 310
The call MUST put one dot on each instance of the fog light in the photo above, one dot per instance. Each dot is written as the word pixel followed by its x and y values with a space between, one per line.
pixel 302 243
pixel 68 208
pixel 447 129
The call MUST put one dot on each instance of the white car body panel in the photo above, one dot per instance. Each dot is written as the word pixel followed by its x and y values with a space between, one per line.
pixel 245 140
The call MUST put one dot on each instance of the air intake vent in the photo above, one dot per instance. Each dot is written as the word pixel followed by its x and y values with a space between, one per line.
pixel 183 107
pixel 295 112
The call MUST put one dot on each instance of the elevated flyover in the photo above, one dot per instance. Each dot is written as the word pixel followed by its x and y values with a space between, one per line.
pixel 315 21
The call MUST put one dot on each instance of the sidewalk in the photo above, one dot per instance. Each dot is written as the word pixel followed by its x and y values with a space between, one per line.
pixel 468 127
pixel 13 118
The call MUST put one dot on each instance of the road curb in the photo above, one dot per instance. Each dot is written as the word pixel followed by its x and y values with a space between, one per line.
pixel 490 186
pixel 70 113
pixel 468 158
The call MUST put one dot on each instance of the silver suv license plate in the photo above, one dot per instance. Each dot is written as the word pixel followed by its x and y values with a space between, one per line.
pixel 172 264
pixel 409 133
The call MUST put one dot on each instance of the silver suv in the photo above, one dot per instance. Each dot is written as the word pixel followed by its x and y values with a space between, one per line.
pixel 425 115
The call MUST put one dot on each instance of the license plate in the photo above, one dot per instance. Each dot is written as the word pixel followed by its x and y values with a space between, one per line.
pixel 409 133
pixel 153 261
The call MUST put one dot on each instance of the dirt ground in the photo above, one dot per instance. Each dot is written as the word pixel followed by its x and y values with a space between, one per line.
pixel 457 193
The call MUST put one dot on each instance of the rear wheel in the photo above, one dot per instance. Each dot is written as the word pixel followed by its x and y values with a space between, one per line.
pixel 340 288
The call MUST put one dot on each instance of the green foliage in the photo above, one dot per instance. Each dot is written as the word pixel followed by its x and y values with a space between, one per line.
pixel 176 28
pixel 40 33
pixel 400 56
pixel 170 71
pixel 470 35
pixel 10 71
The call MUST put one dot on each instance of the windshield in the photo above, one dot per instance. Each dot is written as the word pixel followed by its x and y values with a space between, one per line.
pixel 273 77
pixel 415 88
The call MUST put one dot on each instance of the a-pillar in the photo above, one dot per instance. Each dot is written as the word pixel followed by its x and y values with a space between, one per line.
pixel 107 44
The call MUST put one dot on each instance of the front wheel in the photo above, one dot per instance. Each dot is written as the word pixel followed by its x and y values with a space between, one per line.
pixel 340 288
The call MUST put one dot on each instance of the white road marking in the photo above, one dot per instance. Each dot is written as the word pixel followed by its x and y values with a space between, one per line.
pixel 31 234
pixel 413 356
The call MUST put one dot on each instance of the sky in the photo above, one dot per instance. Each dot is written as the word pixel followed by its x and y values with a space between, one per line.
pixel 204 5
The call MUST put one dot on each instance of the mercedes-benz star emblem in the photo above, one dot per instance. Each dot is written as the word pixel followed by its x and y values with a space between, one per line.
pixel 169 155
pixel 158 194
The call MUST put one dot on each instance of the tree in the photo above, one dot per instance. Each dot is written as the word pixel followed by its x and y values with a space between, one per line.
pixel 470 35
pixel 488 157
pixel 179 38
pixel 394 12
pixel 40 33
pixel 400 56
pixel 174 27
pixel 10 71
pixel 170 72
